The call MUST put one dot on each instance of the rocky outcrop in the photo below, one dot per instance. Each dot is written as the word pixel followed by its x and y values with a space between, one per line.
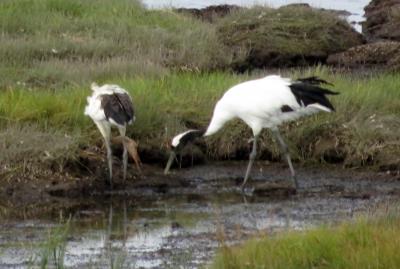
pixel 382 31
pixel 382 20
pixel 289 36
pixel 384 54
pixel 340 13
pixel 209 13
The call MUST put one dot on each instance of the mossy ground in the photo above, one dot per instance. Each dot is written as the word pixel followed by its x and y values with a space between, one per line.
pixel 284 37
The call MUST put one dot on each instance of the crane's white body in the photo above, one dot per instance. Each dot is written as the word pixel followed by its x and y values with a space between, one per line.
pixel 258 103
pixel 262 103
pixel 95 110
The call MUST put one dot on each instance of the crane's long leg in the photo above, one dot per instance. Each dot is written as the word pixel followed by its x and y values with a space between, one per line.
pixel 252 156
pixel 108 233
pixel 285 150
pixel 105 130
pixel 122 132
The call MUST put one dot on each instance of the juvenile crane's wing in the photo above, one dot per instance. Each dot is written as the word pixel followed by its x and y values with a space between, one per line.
pixel 118 107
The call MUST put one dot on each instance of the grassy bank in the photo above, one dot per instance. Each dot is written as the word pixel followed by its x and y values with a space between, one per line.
pixel 366 243
pixel 54 43
pixel 165 59
pixel 363 131
pixel 82 41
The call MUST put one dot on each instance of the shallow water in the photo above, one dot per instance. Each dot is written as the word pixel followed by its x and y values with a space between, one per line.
pixel 170 231
pixel 183 227
pixel 355 7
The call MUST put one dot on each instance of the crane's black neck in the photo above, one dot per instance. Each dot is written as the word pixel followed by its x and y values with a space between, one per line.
pixel 189 137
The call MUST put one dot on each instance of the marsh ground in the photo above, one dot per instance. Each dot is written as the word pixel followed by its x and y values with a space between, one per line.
pixel 52 159
pixel 182 220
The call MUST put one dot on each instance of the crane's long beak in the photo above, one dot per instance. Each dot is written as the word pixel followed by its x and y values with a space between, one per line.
pixel 172 156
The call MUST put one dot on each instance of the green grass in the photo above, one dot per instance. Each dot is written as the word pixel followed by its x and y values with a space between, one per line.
pixel 363 131
pixel 52 251
pixel 55 43
pixel 365 243
pixel 160 103
pixel 165 59
pixel 25 145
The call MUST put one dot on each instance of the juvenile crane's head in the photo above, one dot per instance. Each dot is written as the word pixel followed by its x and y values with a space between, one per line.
pixel 179 142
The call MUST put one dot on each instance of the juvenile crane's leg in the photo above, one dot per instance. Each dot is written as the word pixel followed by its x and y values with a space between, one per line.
pixel 105 131
pixel 285 150
pixel 252 156
pixel 122 132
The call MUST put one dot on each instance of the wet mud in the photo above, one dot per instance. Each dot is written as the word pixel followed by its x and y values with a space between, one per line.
pixel 180 220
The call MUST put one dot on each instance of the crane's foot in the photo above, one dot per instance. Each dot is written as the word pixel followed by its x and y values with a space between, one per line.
pixel 243 185
pixel 246 190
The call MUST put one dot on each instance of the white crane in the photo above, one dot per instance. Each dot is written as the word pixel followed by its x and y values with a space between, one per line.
pixel 108 106
pixel 262 103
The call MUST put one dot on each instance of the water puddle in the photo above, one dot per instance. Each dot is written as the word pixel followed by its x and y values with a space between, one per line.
pixel 181 229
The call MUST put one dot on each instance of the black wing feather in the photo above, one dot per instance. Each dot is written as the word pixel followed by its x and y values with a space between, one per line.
pixel 314 80
pixel 118 107
pixel 308 91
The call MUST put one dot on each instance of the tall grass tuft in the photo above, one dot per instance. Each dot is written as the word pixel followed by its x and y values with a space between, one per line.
pixel 53 250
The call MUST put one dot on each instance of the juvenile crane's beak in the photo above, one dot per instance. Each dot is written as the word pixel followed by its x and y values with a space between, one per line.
pixel 172 156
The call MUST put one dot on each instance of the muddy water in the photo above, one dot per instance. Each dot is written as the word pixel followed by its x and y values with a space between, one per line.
pixel 182 227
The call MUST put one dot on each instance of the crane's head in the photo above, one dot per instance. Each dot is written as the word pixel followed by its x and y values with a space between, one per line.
pixel 179 142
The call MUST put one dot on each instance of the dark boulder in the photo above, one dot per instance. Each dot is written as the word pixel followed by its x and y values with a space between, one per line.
pixel 341 13
pixel 382 20
pixel 209 13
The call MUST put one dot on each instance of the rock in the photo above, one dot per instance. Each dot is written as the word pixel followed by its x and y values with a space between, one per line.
pixel 297 5
pixel 209 13
pixel 341 13
pixel 385 54
pixel 382 20
pixel 289 36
